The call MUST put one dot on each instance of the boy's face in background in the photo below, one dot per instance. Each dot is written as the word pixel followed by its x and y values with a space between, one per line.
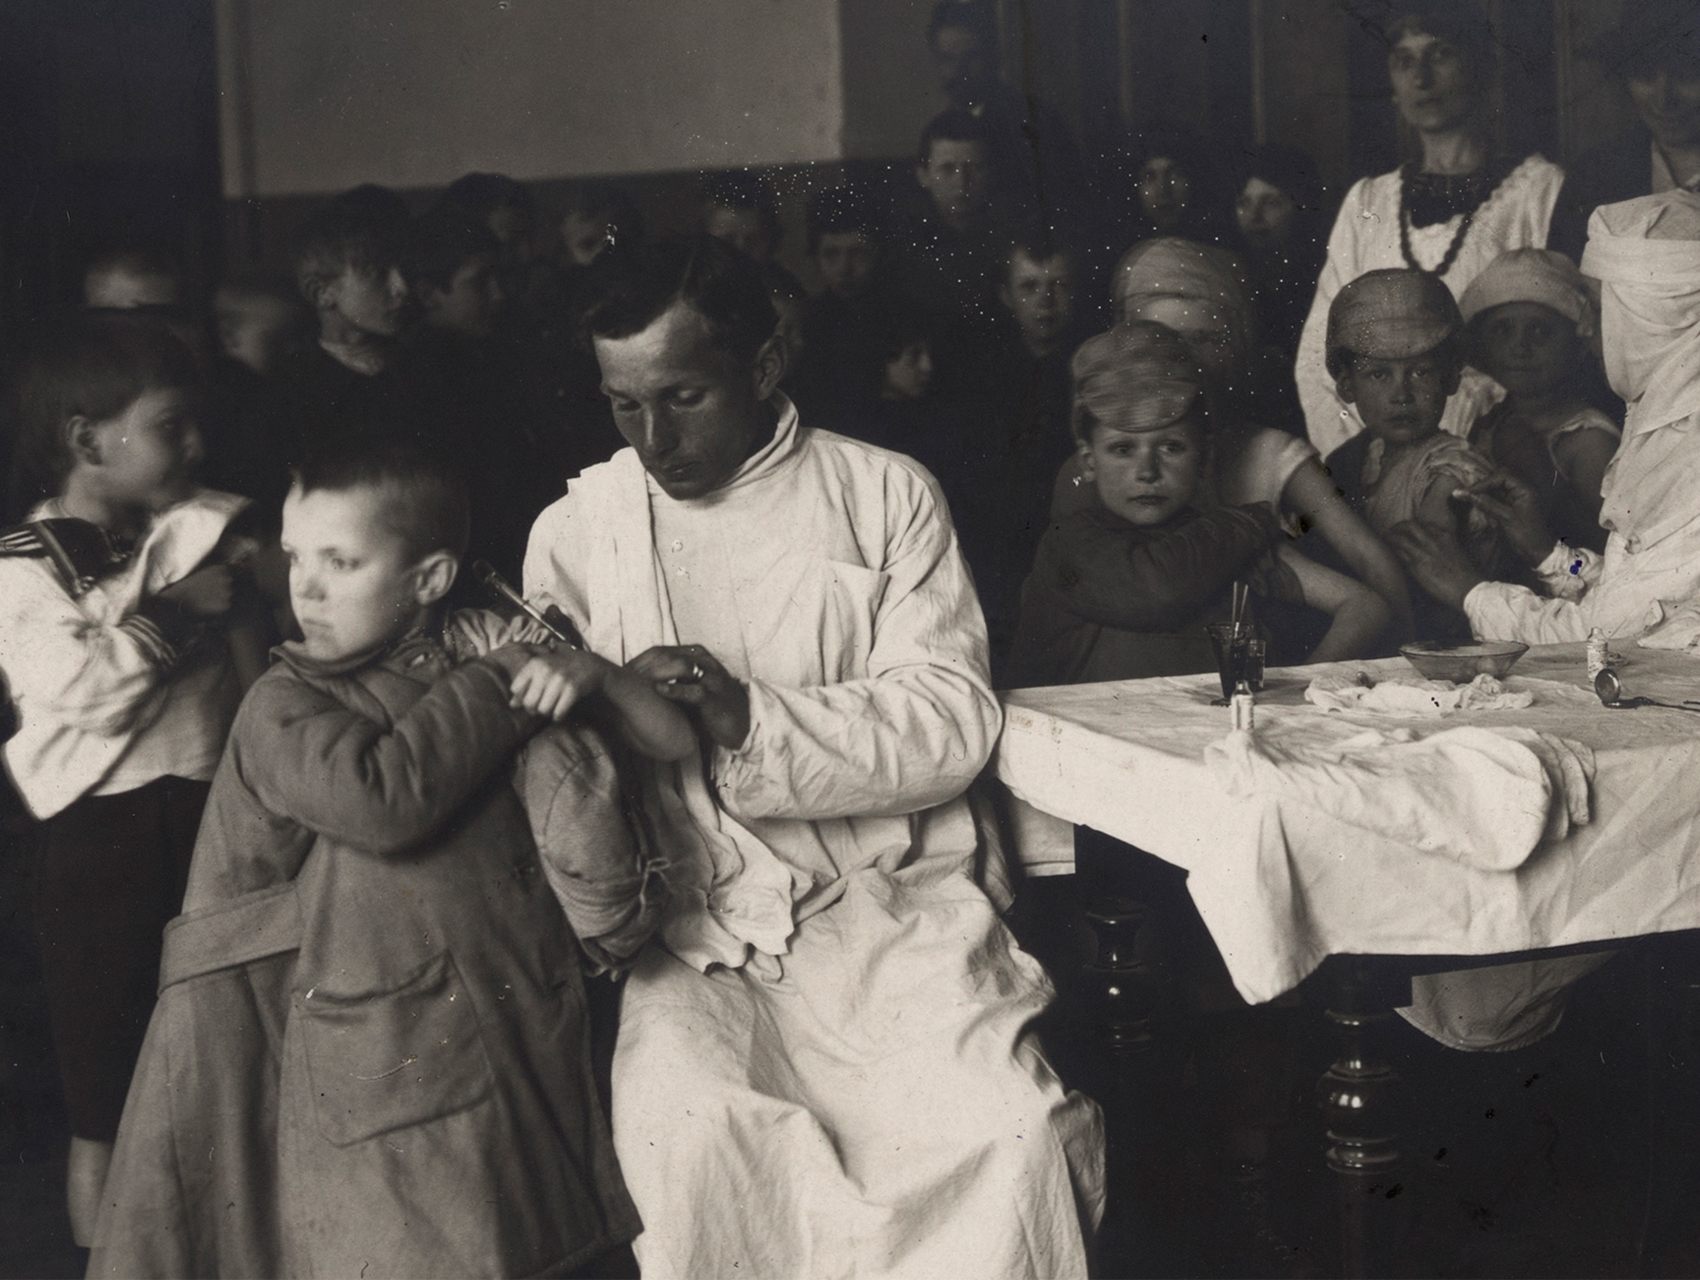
pixel 1527 348
pixel 1265 214
pixel 372 300
pixel 472 304
pixel 352 582
pixel 1145 477
pixel 957 177
pixel 1164 189
pixel 1400 400
pixel 148 454
pixel 692 410
pixel 846 260
pixel 1040 295
pixel 909 374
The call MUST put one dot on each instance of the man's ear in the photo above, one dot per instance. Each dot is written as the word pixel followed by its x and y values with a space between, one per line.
pixel 769 366
pixel 82 440
pixel 434 575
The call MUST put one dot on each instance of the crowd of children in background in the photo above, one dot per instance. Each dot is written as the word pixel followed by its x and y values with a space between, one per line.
pixel 194 484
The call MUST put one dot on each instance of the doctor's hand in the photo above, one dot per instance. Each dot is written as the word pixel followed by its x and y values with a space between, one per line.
pixel 693 677
pixel 1513 506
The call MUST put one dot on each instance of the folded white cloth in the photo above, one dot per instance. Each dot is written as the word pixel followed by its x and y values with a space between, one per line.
pixel 1481 797
pixel 1430 698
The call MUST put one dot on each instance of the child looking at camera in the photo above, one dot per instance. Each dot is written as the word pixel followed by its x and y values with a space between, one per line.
pixel 1395 354
pixel 1531 319
pixel 117 633
pixel 1123 589
pixel 384 1047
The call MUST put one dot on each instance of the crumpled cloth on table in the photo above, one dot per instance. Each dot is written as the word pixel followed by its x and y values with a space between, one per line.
pixel 1431 698
pixel 1481 797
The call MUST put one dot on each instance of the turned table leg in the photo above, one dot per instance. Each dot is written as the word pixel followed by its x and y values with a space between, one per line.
pixel 1360 1099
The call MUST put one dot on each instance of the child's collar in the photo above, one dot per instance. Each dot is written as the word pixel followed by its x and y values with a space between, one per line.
pixel 405 649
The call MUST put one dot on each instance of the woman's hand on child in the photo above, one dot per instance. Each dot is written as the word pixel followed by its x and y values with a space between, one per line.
pixel 691 675
pixel 555 681
pixel 1436 560
pixel 206 593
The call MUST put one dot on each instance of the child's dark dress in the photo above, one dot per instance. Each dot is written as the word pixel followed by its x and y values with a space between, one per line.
pixel 370 1053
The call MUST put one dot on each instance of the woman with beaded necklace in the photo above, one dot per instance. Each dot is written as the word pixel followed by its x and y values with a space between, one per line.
pixel 1450 213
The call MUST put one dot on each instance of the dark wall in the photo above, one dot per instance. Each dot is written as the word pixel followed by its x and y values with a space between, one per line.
pixel 108 134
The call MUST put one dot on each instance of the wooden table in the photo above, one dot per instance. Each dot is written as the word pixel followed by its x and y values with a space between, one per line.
pixel 1284 885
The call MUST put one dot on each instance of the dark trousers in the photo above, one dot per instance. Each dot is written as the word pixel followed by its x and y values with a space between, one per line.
pixel 112 873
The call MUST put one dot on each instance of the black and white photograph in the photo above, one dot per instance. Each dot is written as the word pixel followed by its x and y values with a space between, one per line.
pixel 849 639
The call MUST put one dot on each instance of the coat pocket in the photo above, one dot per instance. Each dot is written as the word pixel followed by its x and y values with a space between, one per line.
pixel 399 1058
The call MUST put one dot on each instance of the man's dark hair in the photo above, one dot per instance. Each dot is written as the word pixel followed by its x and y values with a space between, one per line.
pixel 954 124
pixel 425 500
pixel 902 324
pixel 365 230
pixel 478 195
pixel 970 15
pixel 628 288
pixel 1287 168
pixel 843 210
pixel 443 242
pixel 90 364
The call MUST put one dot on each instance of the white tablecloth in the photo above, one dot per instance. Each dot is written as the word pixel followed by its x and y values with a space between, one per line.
pixel 1282 884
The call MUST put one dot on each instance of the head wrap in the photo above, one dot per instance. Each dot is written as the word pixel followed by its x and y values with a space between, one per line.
pixel 1392 314
pixel 1169 267
pixel 1137 375
pixel 1542 276
pixel 1646 255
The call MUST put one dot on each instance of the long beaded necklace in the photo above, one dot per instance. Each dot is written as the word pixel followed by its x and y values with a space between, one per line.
pixel 1406 173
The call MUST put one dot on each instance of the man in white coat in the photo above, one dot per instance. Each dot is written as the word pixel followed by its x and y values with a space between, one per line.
pixel 825 1066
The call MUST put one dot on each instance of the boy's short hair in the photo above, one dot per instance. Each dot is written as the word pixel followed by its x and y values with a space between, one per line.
pixel 365 229
pixel 426 502
pixel 1138 367
pixel 845 211
pixel 1039 242
pixel 90 364
pixel 969 15
pixel 443 242
pixel 953 124
pixel 629 287
pixel 1391 314
pixel 903 323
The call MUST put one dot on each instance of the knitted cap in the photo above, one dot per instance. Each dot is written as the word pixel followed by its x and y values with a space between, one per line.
pixel 1392 314
pixel 1543 276
pixel 1137 375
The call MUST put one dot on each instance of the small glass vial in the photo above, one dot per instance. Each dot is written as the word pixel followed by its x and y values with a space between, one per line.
pixel 1599 657
pixel 1242 707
